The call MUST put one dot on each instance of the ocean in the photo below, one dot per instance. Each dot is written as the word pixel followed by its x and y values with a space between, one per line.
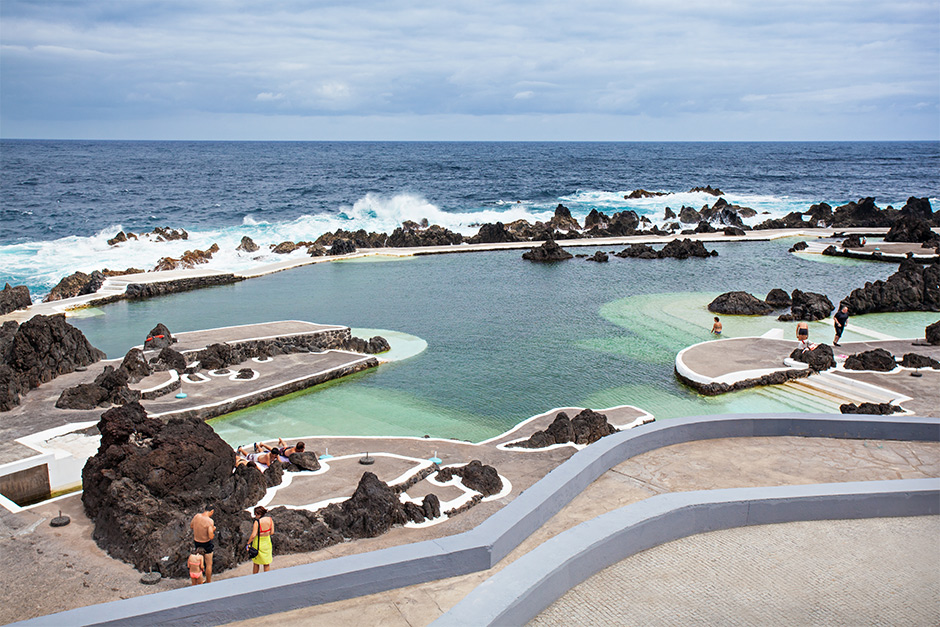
pixel 505 339
pixel 60 201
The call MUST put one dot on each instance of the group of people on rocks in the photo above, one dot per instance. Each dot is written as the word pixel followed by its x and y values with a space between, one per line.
pixel 263 455
pixel 259 546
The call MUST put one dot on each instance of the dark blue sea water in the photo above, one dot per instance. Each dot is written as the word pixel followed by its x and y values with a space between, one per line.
pixel 61 200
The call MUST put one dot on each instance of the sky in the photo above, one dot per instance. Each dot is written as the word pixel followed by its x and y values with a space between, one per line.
pixel 594 70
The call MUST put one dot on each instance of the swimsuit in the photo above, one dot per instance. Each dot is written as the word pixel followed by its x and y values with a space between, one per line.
pixel 265 548
pixel 208 546
pixel 802 333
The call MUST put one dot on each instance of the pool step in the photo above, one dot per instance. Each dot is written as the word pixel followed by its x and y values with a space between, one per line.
pixel 799 399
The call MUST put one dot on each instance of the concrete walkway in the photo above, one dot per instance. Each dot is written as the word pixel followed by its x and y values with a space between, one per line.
pixel 723 463
pixel 878 571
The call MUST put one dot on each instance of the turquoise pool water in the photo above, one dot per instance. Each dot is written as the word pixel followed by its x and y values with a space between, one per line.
pixel 505 339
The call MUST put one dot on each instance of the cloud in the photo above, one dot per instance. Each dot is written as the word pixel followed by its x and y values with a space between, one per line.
pixel 657 58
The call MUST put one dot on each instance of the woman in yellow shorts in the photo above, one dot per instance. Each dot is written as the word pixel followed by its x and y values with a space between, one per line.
pixel 261 531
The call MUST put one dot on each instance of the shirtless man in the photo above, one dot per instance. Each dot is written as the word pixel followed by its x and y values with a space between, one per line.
pixel 203 532
pixel 259 458
pixel 283 449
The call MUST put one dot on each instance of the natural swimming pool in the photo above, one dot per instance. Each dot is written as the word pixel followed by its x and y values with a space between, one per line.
pixel 506 339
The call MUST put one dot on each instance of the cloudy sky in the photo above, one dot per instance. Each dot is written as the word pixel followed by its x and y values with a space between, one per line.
pixel 471 70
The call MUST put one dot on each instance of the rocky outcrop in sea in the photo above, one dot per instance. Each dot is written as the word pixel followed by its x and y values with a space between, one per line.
pixel 13 298
pixel 739 304
pixel 807 306
pixel 76 284
pixel 548 251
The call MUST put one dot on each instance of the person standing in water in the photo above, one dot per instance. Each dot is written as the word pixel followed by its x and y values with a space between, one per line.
pixel 716 328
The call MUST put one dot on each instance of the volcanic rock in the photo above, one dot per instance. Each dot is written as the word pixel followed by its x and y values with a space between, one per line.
pixel 920 208
pixel 247 245
pixel 733 231
pixel 599 256
pixel 864 213
pixel 431 506
pixel 799 246
pixel 878 360
pixel 642 193
pixel 110 387
pixel 13 298
pixel 285 248
pixel 476 476
pixel 433 235
pixel 342 247
pixel 807 306
pixel 915 360
pixel 166 234
pixel 853 241
pixel 38 351
pixel 374 346
pixel 371 511
pixel 549 251
pixel 911 228
pixel 705 227
pixel 493 233
pixel 739 304
pixel 688 215
pixel 818 359
pixel 563 221
pixel 708 189
pixel 120 238
pixel 683 249
pixel 135 365
pixel 245 374
pixel 149 478
pixel 585 428
pixel 300 531
pixel 912 288
pixel 640 251
pixel 793 220
pixel 159 337
pixel 305 460
pixel 777 298
pixel 872 409
pixel 819 215
pixel 168 359
pixel 77 284
pixel 932 333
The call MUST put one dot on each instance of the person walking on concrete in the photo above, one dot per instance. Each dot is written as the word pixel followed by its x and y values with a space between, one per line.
pixel 840 320
pixel 203 533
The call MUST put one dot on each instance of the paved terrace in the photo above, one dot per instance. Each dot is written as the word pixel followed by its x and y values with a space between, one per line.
pixel 736 462
pixel 739 359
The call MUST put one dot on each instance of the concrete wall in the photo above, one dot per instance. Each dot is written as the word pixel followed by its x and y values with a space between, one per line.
pixel 479 549
pixel 26 486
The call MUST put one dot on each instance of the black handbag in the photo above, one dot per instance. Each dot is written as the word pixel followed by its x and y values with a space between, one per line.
pixel 253 550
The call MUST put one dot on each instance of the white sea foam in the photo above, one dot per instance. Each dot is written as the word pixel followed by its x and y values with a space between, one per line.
pixel 42 264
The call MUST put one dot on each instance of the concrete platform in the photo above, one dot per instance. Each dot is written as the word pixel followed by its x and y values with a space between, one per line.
pixel 893 252
pixel 32 433
pixel 744 360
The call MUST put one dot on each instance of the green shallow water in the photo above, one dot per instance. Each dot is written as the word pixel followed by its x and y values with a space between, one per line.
pixel 505 339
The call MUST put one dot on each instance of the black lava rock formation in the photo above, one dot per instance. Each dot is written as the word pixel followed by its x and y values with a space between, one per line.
pixel 808 306
pixel 587 427
pixel 878 359
pixel 818 359
pixel 913 287
pixel 13 298
pixel 739 304
pixel 476 475
pixel 38 351
pixel 549 251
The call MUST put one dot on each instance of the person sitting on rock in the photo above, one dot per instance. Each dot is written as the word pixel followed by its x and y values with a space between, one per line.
pixel 802 334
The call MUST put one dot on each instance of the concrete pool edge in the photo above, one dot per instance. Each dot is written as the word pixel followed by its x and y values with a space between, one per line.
pixel 477 549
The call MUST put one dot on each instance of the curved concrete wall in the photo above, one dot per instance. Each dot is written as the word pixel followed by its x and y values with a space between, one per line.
pixel 479 549
pixel 518 593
